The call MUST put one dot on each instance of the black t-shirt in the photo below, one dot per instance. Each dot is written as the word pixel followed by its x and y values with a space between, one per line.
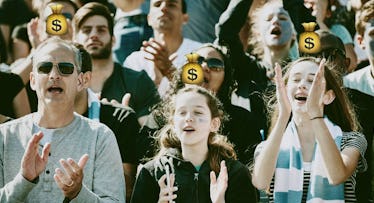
pixel 10 85
pixel 125 129
pixel 142 89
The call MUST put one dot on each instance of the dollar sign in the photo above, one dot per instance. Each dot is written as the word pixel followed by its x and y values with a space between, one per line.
pixel 309 43
pixel 57 26
pixel 192 74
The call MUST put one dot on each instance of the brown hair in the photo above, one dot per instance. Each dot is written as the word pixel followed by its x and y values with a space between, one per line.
pixel 219 147
pixel 92 9
pixel 340 111
pixel 363 16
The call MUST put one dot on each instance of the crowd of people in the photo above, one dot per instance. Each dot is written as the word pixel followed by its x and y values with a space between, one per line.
pixel 101 113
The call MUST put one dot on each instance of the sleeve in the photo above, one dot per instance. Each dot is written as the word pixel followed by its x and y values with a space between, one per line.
pixel 147 95
pixel 342 33
pixel 146 188
pixel 17 189
pixel 358 141
pixel 298 13
pixel 108 178
pixel 227 33
pixel 240 188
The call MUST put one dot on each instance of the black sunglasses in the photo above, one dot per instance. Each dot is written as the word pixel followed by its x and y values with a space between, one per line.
pixel 213 63
pixel 64 68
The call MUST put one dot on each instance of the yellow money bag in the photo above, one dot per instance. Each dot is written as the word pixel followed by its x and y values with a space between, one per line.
pixel 192 72
pixel 309 41
pixel 56 22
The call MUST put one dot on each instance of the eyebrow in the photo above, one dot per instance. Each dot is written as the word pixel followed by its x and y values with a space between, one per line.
pixel 300 73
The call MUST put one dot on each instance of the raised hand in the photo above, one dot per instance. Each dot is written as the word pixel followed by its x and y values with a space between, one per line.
pixel 218 185
pixel 160 56
pixel 283 101
pixel 70 181
pixel 316 93
pixel 167 190
pixel 32 163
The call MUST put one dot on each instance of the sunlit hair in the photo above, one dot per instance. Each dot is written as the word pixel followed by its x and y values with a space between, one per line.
pixel 363 16
pixel 340 111
pixel 256 40
pixel 57 42
pixel 219 147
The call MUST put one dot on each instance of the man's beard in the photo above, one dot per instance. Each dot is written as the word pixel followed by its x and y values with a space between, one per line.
pixel 102 53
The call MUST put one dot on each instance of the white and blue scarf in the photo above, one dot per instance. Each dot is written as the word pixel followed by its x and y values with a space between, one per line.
pixel 289 172
pixel 93 106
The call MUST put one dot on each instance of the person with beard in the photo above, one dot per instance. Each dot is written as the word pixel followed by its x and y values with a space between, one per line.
pixel 162 55
pixel 93 28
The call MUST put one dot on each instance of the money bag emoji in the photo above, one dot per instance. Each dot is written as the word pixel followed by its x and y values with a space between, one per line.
pixel 192 72
pixel 56 22
pixel 309 41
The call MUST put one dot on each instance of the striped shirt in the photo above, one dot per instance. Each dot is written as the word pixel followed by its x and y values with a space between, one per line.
pixel 349 139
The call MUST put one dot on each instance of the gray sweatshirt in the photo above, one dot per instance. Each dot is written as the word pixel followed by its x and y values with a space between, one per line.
pixel 103 179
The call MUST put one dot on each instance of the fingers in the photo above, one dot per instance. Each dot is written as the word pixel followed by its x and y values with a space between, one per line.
pixel 126 99
pixel 161 181
pixel 45 152
pixel 63 178
pixel 82 161
pixel 223 172
pixel 213 179
pixel 34 142
pixel 278 74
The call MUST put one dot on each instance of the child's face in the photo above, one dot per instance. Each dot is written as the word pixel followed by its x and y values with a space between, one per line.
pixel 276 26
pixel 300 80
pixel 192 118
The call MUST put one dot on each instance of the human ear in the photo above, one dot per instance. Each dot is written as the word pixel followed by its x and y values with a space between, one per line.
pixel 360 40
pixel 215 124
pixel 329 97
pixel 80 85
pixel 32 81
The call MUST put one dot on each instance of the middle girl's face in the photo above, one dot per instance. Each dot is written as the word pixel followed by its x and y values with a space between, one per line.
pixel 300 80
pixel 192 118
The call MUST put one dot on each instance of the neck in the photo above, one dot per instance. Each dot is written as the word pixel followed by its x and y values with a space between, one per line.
pixel 172 40
pixel 272 56
pixel 102 69
pixel 196 154
pixel 54 116
pixel 372 69
pixel 81 102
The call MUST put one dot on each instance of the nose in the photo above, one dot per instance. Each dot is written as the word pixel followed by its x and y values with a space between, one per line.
pixel 275 20
pixel 205 67
pixel 189 117
pixel 163 6
pixel 54 74
pixel 94 33
pixel 302 85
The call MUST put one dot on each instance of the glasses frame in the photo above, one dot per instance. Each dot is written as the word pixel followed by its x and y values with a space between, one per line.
pixel 214 64
pixel 59 65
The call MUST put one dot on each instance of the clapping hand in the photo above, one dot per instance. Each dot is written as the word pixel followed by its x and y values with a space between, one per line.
pixel 32 163
pixel 218 185
pixel 70 181
pixel 283 101
pixel 315 101
pixel 167 190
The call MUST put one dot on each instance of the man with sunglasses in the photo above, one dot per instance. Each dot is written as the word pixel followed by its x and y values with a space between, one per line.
pixel 360 84
pixel 162 55
pixel 39 152
pixel 93 25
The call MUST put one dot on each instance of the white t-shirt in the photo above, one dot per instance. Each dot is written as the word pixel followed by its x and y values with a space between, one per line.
pixel 136 61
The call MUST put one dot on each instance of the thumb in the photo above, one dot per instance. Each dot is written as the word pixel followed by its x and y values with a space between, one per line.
pixel 83 160
pixel 126 99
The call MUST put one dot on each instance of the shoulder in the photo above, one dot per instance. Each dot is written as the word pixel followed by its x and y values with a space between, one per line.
pixel 236 167
pixel 92 127
pixel 191 43
pixel 354 139
pixel 17 124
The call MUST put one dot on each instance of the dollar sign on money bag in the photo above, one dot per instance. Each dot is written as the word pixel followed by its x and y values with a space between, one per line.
pixel 309 41
pixel 56 22
pixel 192 72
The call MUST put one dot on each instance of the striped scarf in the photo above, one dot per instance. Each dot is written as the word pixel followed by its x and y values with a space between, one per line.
pixel 93 106
pixel 288 178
